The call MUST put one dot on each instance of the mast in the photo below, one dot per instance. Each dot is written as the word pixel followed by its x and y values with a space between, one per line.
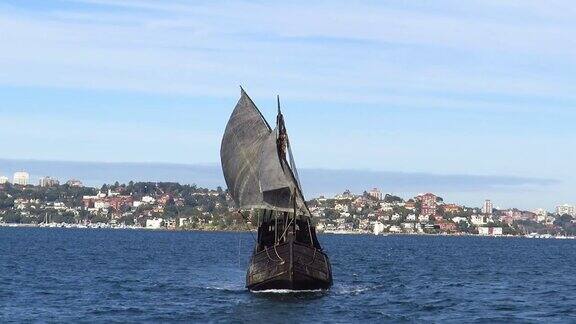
pixel 282 136
pixel 283 146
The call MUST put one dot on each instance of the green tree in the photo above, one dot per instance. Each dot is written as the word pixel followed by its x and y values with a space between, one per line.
pixel 12 217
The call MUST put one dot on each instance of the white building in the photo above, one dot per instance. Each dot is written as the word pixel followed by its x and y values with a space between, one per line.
pixel 566 209
pixel 490 231
pixel 375 193
pixel 342 207
pixel 48 182
pixel 74 183
pixel 3 180
pixel 21 178
pixel 541 212
pixel 386 207
pixel 60 206
pixel 411 218
pixel 378 228
pixel 183 221
pixel 487 209
pixel 100 204
pixel 345 195
pixel 384 218
pixel 459 219
pixel 423 218
pixel 154 223
pixel 148 200
pixel 477 220
pixel 541 215
pixel 395 229
pixel 408 226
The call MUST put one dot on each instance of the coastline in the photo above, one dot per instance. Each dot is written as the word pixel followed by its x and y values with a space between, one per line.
pixel 127 227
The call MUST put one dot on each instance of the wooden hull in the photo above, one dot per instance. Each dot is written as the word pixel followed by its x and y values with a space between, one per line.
pixel 289 265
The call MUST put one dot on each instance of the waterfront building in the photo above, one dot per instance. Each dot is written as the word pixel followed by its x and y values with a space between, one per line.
pixel 48 182
pixel 407 226
pixel 183 221
pixel 566 209
pixel 395 229
pixel 154 223
pixel 375 193
pixel 429 205
pixel 490 231
pixel 378 228
pixel 21 178
pixel 3 179
pixel 446 226
pixel 488 208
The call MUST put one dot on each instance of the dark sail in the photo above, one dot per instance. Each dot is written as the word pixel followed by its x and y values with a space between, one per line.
pixel 276 189
pixel 255 174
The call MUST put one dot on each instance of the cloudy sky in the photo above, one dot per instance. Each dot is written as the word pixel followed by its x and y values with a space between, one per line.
pixel 459 90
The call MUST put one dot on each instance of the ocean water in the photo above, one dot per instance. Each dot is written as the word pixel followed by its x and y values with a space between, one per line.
pixel 81 275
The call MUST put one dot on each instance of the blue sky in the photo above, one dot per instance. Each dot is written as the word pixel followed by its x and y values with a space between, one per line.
pixel 482 88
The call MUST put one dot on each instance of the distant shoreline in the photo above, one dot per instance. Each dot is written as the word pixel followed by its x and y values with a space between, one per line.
pixel 316 181
pixel 96 227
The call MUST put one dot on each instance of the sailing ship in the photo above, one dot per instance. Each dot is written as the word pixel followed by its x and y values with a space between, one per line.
pixel 262 179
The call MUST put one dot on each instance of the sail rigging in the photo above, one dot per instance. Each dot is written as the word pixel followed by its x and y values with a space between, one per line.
pixel 255 167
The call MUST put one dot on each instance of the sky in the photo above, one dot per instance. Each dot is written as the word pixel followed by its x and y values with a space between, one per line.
pixel 443 89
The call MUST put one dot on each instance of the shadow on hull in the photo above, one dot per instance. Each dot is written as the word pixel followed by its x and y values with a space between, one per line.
pixel 290 265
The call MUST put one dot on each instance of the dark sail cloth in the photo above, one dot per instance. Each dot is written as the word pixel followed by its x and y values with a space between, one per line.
pixel 257 178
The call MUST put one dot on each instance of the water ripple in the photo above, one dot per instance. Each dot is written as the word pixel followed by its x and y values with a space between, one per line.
pixel 60 275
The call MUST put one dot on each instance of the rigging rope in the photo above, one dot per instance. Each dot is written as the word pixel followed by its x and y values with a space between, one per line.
pixel 310 233
pixel 268 255
pixel 245 218
pixel 286 229
pixel 313 258
pixel 278 255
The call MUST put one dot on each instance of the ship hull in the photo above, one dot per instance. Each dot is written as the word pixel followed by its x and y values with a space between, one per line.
pixel 289 265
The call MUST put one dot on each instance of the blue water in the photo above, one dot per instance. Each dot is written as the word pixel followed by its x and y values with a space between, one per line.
pixel 71 275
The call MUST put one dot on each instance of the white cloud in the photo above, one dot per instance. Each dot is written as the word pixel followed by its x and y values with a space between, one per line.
pixel 323 51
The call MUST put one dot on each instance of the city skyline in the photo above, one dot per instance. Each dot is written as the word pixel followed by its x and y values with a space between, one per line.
pixel 466 190
pixel 481 89
pixel 429 200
